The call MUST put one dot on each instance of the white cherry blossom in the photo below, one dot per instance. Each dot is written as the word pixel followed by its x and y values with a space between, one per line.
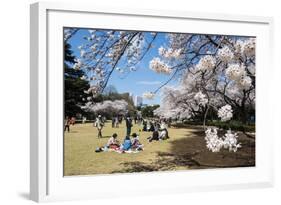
pixel 208 62
pixel 249 47
pixel 213 142
pixel 225 113
pixel 231 142
pixel 245 82
pixel 159 66
pixel 201 98
pixel 78 64
pixel 169 53
pixel 235 71
pixel 117 106
pixel 225 54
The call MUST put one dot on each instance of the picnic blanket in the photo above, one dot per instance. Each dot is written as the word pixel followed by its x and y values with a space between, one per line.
pixel 118 150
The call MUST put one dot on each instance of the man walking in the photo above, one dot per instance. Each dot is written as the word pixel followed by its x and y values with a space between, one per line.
pixel 99 125
pixel 129 125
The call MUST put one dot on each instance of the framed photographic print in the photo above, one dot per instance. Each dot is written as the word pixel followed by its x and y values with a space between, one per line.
pixel 145 102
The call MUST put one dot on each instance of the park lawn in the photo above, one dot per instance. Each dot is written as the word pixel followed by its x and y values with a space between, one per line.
pixel 184 150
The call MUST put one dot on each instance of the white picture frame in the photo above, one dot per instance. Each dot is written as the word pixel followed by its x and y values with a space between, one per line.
pixel 47 182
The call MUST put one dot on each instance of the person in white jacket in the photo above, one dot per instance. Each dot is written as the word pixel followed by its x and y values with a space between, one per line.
pixel 163 132
pixel 99 125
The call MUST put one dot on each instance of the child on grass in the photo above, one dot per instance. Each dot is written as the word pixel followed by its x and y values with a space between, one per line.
pixel 136 145
pixel 127 144
pixel 113 143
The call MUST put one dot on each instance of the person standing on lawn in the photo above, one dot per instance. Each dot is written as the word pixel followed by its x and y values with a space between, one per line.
pixel 66 124
pixel 99 125
pixel 116 122
pixel 129 125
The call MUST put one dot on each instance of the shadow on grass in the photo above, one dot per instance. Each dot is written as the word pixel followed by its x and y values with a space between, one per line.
pixel 191 153
pixel 106 136
pixel 71 131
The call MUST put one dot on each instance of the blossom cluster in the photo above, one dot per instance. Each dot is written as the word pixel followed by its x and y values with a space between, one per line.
pixel 159 66
pixel 245 82
pixel 235 71
pixel 185 114
pixel 215 143
pixel 246 47
pixel 119 106
pixel 201 98
pixel 231 142
pixel 249 47
pixel 178 40
pixel 78 64
pixel 92 90
pixel 208 62
pixel 174 113
pixel 238 73
pixel 169 53
pixel 68 33
pixel 116 50
pixel 225 54
pixel 225 113
pixel 83 77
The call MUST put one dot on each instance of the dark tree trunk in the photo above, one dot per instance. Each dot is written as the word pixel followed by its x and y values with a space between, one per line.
pixel 243 111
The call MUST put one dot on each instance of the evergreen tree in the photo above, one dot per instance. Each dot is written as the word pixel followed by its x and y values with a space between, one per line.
pixel 74 86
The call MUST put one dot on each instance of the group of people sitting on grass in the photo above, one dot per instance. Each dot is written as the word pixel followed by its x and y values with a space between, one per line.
pixel 159 130
pixel 133 144
pixel 128 145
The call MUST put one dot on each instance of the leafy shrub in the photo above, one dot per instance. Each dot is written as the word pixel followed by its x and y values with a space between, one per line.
pixel 233 125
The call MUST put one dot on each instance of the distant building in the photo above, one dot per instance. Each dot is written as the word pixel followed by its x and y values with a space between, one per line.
pixel 132 97
pixel 138 101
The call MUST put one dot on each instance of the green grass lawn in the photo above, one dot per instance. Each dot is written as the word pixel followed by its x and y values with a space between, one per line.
pixel 184 150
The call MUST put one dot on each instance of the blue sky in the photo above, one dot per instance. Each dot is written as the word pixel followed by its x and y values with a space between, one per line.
pixel 136 82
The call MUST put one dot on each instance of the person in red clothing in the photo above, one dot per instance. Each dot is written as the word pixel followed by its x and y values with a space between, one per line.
pixel 66 124
pixel 72 121
pixel 113 143
pixel 136 144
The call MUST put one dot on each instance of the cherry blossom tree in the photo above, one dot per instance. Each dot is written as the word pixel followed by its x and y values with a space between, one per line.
pixel 220 68
pixel 217 72
pixel 104 52
pixel 214 70
pixel 107 106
